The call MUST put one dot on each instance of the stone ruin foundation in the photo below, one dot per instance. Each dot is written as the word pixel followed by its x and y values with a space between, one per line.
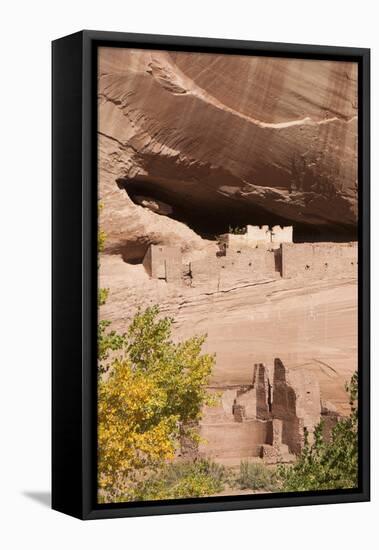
pixel 266 419
pixel 260 253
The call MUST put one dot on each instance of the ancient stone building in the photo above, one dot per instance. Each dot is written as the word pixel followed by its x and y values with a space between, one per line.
pixel 255 401
pixel 163 262
pixel 219 273
pixel 319 259
pixel 257 236
pixel 243 259
pixel 296 402
pixel 281 235
pixel 267 418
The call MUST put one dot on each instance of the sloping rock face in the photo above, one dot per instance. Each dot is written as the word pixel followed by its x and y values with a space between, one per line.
pixel 190 144
pixel 310 324
pixel 216 137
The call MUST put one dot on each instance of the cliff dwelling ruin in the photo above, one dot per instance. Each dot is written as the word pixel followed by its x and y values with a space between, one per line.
pixel 259 252
pixel 267 419
pixel 238 219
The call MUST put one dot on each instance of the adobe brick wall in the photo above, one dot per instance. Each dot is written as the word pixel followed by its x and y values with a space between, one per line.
pixel 163 262
pixel 220 273
pixel 281 234
pixel 254 403
pixel 205 272
pixel 265 413
pixel 234 439
pixel 319 259
pixel 296 401
pixel 243 265
pixel 258 236
pixel 223 410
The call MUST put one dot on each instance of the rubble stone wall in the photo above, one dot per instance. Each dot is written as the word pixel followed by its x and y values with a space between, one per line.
pixel 247 264
pixel 270 412
pixel 258 236
pixel 163 262
pixel 319 259
pixel 234 439
pixel 281 234
pixel 296 401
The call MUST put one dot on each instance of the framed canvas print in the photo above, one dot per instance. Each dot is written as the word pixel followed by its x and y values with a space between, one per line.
pixel 210 274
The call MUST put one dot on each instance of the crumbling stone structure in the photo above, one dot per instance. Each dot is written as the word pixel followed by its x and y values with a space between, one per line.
pixel 296 403
pixel 257 237
pixel 222 272
pixel 255 401
pixel 281 235
pixel 163 262
pixel 319 259
pixel 238 262
pixel 267 418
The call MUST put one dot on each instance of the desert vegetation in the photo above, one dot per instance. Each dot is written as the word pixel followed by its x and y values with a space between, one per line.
pixel 250 252
pixel 256 477
pixel 329 463
pixel 236 230
pixel 151 393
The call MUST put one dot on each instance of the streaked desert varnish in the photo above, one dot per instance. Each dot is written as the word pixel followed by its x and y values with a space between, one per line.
pixel 230 132
pixel 223 136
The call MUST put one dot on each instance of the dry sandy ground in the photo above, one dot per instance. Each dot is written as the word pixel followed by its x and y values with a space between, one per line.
pixel 310 324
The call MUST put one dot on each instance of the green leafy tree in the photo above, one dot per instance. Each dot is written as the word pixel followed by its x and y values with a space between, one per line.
pixel 150 389
pixel 108 341
pixel 150 394
pixel 328 464
pixel 101 238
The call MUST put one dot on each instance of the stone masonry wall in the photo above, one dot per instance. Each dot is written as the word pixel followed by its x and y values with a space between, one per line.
pixel 163 262
pixel 220 273
pixel 254 402
pixel 242 265
pixel 234 439
pixel 266 418
pixel 258 236
pixel 281 234
pixel 319 259
pixel 296 402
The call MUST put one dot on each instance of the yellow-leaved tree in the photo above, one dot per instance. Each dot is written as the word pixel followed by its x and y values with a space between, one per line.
pixel 150 392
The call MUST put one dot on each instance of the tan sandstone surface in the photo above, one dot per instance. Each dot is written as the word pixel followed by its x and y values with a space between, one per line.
pixel 307 323
pixel 225 134
pixel 190 144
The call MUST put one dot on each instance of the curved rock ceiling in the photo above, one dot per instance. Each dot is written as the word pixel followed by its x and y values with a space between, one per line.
pixel 221 139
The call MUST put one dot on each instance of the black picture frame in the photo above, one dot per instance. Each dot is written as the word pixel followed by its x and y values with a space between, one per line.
pixel 74 273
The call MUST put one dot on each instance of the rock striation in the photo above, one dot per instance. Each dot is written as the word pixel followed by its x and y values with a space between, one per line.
pixel 191 148
pixel 226 136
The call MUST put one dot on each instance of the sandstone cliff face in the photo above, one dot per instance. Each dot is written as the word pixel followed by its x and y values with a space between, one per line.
pixel 224 137
pixel 189 144
pixel 309 324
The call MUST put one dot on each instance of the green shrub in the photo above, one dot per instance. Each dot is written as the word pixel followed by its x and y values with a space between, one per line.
pixel 102 296
pixel 328 464
pixel 237 230
pixel 256 476
pixel 183 480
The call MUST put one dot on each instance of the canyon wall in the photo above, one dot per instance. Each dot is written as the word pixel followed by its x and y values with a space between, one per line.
pixel 190 145
pixel 212 139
